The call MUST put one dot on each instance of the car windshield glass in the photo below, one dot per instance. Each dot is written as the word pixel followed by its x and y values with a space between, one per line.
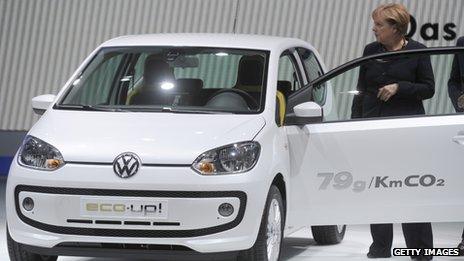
pixel 171 79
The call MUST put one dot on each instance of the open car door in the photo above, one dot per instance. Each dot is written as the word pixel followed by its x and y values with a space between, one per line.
pixel 407 168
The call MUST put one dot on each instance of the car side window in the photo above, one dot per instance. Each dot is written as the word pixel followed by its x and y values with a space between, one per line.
pixel 313 70
pixel 311 64
pixel 288 81
pixel 288 72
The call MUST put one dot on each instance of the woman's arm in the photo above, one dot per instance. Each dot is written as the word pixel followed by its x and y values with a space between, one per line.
pixel 456 80
pixel 454 84
pixel 424 86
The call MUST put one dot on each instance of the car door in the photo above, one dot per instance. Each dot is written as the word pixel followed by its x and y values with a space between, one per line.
pixel 407 168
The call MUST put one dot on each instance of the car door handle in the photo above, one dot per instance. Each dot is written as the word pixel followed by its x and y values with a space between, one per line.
pixel 459 139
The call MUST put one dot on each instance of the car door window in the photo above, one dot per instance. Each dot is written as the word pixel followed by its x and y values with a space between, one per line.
pixel 422 87
pixel 313 70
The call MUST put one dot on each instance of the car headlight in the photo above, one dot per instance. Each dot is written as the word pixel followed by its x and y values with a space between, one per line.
pixel 231 159
pixel 37 154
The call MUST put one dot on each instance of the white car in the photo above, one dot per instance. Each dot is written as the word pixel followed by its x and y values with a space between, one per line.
pixel 215 145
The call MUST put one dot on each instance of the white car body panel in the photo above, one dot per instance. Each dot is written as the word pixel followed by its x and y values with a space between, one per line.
pixel 152 136
pixel 397 148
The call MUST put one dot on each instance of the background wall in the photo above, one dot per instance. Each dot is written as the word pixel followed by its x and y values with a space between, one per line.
pixel 43 41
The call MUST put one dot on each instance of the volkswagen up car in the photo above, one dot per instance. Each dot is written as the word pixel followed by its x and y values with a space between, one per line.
pixel 209 145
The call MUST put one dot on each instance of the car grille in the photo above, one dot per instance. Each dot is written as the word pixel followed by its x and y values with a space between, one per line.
pixel 119 222
pixel 110 246
pixel 130 232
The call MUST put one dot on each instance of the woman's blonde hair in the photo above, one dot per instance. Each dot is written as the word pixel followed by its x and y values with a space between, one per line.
pixel 396 15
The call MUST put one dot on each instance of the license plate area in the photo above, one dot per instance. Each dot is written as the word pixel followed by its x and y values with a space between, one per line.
pixel 134 208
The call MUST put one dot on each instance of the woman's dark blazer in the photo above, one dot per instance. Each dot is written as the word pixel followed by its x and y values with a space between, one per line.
pixel 414 76
pixel 456 81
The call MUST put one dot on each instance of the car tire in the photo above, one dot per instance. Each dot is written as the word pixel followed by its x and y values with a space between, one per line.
pixel 328 235
pixel 270 231
pixel 17 252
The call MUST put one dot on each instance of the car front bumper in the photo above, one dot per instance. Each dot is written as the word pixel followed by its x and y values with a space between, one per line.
pixel 191 219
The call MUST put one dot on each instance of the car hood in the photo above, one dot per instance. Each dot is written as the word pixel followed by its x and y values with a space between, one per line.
pixel 157 138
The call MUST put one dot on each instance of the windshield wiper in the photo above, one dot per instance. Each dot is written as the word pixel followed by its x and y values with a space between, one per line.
pixel 136 108
pixel 175 110
pixel 89 108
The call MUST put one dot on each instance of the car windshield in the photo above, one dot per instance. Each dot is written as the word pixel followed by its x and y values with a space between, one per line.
pixel 171 79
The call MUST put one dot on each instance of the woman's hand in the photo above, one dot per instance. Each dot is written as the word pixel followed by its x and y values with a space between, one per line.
pixel 387 91
pixel 461 101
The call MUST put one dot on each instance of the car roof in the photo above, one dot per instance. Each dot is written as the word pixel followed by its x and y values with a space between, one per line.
pixel 242 41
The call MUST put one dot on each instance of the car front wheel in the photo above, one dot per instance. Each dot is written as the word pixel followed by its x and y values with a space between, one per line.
pixel 17 252
pixel 269 242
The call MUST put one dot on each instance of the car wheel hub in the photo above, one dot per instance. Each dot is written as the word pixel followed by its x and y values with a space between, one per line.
pixel 274 231
pixel 340 228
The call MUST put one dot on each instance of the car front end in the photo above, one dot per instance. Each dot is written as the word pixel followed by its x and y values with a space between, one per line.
pixel 142 154
pixel 82 203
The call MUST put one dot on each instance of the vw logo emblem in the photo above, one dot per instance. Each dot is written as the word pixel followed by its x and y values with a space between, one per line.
pixel 126 165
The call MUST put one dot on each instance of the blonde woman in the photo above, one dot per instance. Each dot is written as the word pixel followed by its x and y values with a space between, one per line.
pixel 394 88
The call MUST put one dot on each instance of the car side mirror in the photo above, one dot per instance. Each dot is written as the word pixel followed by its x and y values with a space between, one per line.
pixel 304 113
pixel 308 110
pixel 41 103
